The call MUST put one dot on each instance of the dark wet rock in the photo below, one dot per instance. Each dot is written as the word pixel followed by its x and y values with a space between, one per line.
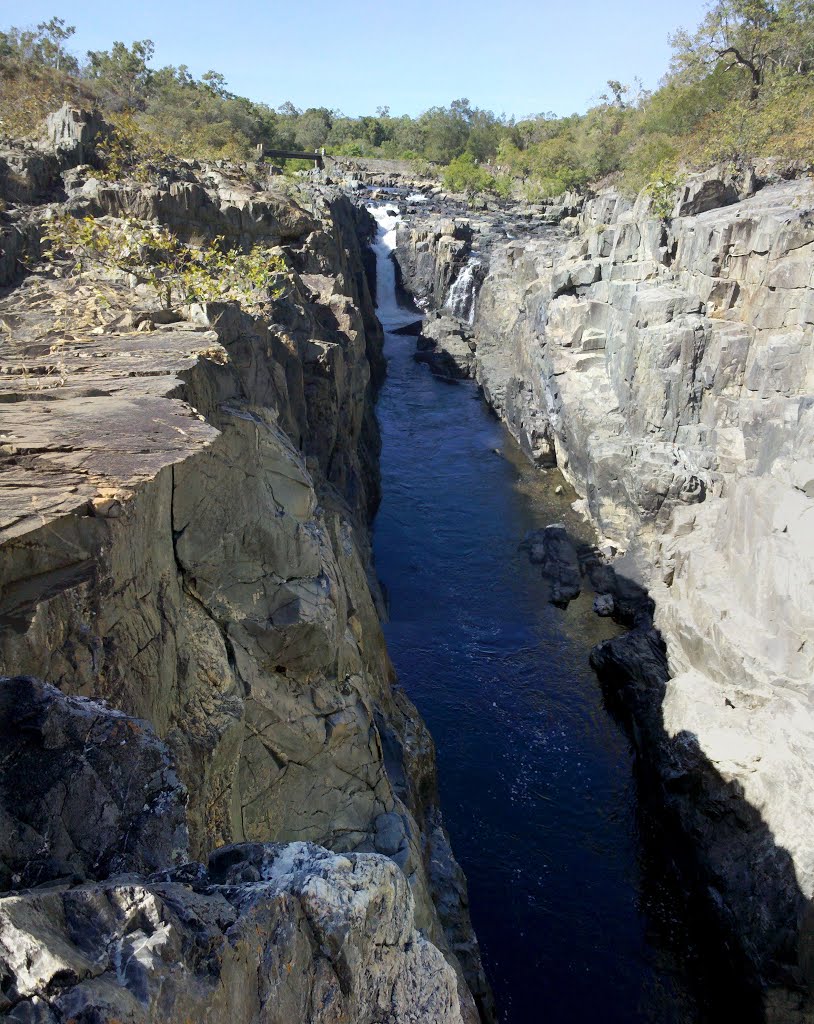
pixel 449 889
pixel 446 345
pixel 410 330
pixel 85 790
pixel 635 662
pixel 554 550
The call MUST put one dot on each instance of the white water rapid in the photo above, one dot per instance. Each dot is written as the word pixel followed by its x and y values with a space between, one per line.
pixel 391 315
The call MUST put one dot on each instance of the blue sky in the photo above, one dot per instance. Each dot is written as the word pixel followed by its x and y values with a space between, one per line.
pixel 517 57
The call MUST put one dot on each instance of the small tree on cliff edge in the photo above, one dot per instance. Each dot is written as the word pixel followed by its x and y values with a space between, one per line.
pixel 758 36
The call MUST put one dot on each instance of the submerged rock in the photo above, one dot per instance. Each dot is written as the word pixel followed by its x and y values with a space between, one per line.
pixel 553 549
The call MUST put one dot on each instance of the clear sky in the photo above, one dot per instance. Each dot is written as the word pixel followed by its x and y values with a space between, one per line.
pixel 517 57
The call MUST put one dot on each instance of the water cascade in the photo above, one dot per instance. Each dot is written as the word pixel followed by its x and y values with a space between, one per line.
pixel 390 313
pixel 461 298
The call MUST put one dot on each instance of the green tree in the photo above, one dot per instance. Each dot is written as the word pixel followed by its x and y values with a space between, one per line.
pixel 53 35
pixel 485 133
pixel 43 46
pixel 216 83
pixel 123 70
pixel 445 130
pixel 312 128
pixel 757 36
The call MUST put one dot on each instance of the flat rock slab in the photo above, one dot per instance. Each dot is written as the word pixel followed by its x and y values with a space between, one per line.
pixel 86 419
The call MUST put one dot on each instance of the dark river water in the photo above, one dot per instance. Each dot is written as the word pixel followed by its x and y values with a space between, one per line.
pixel 577 917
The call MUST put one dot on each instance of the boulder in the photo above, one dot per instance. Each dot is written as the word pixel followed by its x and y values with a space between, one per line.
pixel 553 549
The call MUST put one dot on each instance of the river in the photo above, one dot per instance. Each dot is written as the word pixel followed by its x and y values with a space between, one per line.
pixel 576 914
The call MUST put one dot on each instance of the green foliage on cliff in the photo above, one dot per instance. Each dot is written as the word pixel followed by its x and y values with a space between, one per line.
pixel 176 272
pixel 741 86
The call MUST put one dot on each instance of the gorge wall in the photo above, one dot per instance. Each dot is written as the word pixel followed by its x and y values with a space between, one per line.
pixel 190 635
pixel 666 366
pixel 216 799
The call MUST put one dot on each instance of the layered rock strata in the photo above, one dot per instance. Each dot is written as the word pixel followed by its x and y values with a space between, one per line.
pixel 666 366
pixel 185 504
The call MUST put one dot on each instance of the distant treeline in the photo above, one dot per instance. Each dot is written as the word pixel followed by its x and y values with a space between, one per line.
pixel 740 86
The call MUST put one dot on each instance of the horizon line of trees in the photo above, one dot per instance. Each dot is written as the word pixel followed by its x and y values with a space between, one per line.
pixel 740 85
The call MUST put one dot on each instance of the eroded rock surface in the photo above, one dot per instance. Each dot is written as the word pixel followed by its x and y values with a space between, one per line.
pixel 85 791
pixel 272 933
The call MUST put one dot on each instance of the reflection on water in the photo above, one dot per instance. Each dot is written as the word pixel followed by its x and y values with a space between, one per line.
pixel 536 778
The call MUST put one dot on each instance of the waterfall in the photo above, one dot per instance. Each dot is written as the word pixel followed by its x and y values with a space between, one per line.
pixel 391 315
pixel 461 298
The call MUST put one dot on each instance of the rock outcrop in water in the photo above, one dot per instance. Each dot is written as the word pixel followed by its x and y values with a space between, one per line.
pixel 184 536
pixel 667 367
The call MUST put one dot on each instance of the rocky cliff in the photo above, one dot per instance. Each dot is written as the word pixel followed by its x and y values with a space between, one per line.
pixel 666 366
pixel 185 565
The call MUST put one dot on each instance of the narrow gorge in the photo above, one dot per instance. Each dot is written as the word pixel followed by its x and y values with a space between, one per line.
pixel 664 365
pixel 555 461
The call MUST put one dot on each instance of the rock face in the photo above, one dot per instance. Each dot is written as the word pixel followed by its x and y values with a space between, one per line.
pixel 74 135
pixel 32 174
pixel 430 252
pixel 269 932
pixel 185 503
pixel 668 369
pixel 446 346
pixel 86 791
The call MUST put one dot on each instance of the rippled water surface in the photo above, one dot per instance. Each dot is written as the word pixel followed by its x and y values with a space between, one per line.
pixel 537 786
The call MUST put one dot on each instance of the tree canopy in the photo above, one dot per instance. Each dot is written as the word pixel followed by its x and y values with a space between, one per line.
pixel 759 36
pixel 740 85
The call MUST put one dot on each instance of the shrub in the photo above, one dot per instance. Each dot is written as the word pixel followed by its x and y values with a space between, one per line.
pixel 177 272
pixel 651 157
pixel 662 191
pixel 503 185
pixel 464 175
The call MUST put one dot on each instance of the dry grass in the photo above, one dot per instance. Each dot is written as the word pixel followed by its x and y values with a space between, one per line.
pixel 28 95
